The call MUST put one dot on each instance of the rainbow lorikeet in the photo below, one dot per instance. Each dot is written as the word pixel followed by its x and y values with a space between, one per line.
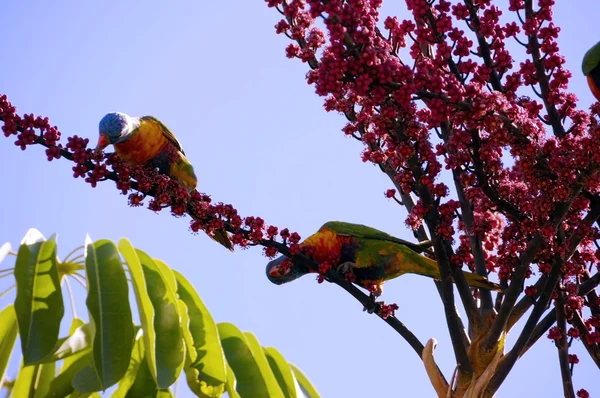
pixel 591 69
pixel 371 255
pixel 146 141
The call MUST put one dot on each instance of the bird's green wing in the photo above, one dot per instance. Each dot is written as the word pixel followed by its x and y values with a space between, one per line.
pixel 591 59
pixel 378 259
pixel 362 231
pixel 166 132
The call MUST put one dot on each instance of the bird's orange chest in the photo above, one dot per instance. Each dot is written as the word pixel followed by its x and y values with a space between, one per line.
pixel 144 145
pixel 593 87
pixel 326 245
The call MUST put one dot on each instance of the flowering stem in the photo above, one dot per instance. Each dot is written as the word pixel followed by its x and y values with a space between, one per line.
pixel 484 46
pixel 475 241
pixel 282 248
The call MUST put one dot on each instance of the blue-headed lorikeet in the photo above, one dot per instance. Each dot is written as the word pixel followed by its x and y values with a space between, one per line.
pixel 146 141
pixel 591 69
pixel 371 255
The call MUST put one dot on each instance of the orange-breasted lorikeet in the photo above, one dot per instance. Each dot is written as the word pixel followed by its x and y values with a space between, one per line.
pixel 371 255
pixel 146 141
pixel 591 69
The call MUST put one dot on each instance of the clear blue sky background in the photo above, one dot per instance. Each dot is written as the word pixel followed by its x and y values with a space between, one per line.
pixel 216 74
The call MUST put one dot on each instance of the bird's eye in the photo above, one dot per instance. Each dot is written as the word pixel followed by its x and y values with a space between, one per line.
pixel 277 272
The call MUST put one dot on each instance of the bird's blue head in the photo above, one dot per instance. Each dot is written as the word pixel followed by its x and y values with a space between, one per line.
pixel 113 128
pixel 280 271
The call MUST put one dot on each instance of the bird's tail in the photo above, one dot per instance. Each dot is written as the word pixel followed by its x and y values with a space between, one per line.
pixel 219 235
pixel 422 265
pixel 481 282
pixel 222 237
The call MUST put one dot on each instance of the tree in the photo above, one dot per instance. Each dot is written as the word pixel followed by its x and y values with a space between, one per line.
pixel 500 182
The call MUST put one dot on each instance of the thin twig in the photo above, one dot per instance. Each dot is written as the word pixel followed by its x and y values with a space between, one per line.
pixel 71 299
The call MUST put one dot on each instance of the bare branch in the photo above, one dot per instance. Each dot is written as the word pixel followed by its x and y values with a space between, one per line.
pixel 563 347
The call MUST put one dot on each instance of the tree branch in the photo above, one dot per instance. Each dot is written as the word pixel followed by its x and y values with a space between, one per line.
pixel 484 47
pixel 534 48
pixel 563 347
pixel 592 349
pixel 510 359
pixel 468 217
pixel 421 235
pixel 526 258
pixel 541 329
pixel 545 324
pixel 526 302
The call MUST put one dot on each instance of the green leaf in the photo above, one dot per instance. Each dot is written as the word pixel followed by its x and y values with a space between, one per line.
pixel 75 324
pixel 77 394
pixel 231 383
pixel 39 303
pixel 25 381
pixel 248 373
pixel 8 336
pixel 144 304
pixel 161 288
pixel 164 394
pixel 110 313
pixel 263 364
pixel 137 357
pixel 78 340
pixel 4 250
pixel 206 373
pixel 306 386
pixel 282 371
pixel 144 384
pixel 46 373
pixel 62 385
pixel 87 380
pixel 185 331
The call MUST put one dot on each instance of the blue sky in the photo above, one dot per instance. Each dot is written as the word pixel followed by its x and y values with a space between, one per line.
pixel 216 74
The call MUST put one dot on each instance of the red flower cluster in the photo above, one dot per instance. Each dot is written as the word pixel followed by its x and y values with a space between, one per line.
pixel 583 393
pixel 555 333
pixel 387 310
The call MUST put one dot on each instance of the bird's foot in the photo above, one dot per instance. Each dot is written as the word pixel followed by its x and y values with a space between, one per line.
pixel 374 292
pixel 346 267
pixel 372 307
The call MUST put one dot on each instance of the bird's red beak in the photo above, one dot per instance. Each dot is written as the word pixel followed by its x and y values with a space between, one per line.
pixel 102 143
